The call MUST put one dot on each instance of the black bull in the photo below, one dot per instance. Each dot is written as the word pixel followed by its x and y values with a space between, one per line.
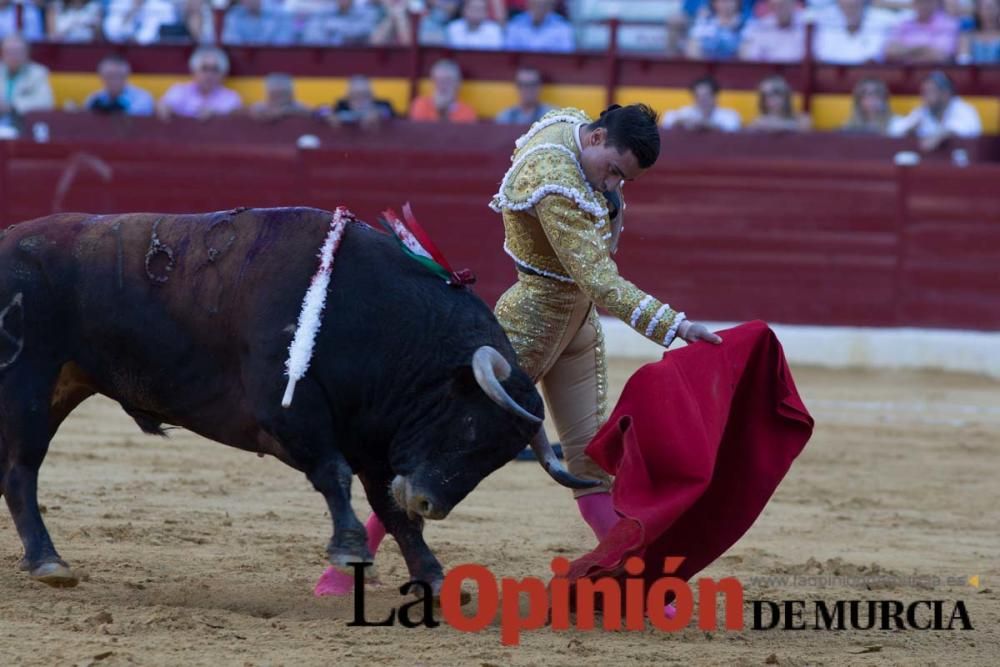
pixel 187 320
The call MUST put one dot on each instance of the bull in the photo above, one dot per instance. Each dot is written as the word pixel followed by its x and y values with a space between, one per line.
pixel 186 320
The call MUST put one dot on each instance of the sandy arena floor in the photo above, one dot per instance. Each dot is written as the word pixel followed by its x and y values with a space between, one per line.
pixel 196 554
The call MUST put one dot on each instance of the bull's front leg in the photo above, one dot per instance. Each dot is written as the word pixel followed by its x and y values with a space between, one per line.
pixel 348 544
pixel 408 533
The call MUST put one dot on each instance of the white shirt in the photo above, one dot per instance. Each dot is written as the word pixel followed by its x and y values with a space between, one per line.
pixel 959 118
pixel 489 35
pixel 120 25
pixel 727 120
pixel 765 41
pixel 836 44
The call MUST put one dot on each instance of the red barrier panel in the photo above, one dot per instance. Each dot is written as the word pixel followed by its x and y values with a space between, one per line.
pixel 803 240
pixel 488 139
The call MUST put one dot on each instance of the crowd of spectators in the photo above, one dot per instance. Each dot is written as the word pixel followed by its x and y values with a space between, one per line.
pixel 24 87
pixel 941 113
pixel 845 31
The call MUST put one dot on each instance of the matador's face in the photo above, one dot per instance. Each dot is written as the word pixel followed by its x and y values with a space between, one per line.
pixel 604 165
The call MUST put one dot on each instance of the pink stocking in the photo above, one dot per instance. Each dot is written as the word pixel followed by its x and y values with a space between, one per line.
pixel 599 513
pixel 376 531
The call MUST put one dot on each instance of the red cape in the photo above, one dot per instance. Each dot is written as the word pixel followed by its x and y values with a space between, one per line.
pixel 697 443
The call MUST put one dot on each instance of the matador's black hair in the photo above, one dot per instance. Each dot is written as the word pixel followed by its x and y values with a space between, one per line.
pixel 632 128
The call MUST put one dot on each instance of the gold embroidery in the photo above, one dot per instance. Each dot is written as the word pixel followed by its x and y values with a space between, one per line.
pixel 551 225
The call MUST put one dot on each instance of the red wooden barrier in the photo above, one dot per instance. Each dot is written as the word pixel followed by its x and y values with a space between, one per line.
pixel 485 138
pixel 796 240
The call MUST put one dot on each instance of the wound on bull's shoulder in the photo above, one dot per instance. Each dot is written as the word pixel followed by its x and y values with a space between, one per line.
pixel 159 257
pixel 12 331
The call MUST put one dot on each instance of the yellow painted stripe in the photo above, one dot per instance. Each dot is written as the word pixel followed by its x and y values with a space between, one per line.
pixel 488 98
pixel 312 91
pixel 830 112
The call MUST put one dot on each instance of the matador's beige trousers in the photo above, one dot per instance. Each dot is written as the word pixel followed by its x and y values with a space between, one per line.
pixel 559 343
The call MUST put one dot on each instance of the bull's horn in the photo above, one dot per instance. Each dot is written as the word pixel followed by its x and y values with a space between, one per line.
pixel 547 457
pixel 490 369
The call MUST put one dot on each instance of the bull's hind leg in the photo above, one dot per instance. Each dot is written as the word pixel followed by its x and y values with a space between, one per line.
pixel 25 432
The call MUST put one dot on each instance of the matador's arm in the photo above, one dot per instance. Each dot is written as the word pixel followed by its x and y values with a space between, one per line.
pixel 576 237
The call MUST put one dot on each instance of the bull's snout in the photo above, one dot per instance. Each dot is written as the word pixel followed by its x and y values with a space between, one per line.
pixel 414 501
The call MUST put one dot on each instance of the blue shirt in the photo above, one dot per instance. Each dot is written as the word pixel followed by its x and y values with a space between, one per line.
pixel 717 42
pixel 554 34
pixel 516 116
pixel 268 27
pixel 33 22
pixel 132 101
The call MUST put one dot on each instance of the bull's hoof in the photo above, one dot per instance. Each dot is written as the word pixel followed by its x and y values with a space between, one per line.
pixel 57 575
pixel 343 562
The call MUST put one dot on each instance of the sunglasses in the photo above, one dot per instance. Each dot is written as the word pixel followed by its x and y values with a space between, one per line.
pixel 528 84
pixel 209 68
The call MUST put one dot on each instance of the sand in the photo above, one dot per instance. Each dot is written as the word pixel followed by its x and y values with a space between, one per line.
pixel 196 554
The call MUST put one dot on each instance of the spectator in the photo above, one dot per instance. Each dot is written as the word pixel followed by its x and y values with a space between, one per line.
pixel 539 29
pixel 75 21
pixel 776 109
pixel 500 11
pixel 117 95
pixel 24 85
pixel 677 35
pixel 360 106
pixel 694 9
pixel 941 116
pixel 963 11
pixel 704 114
pixel 32 20
pixel 393 27
pixel 850 39
pixel 249 22
pixel 475 30
pixel 982 44
pixel 529 107
pixel 433 29
pixel 204 96
pixel 139 20
pixel 870 113
pixel 931 36
pixel 347 24
pixel 716 35
pixel 443 104
pixel 777 37
pixel 279 100
pixel 194 24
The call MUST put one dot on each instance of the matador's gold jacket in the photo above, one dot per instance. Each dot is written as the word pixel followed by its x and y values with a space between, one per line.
pixel 557 226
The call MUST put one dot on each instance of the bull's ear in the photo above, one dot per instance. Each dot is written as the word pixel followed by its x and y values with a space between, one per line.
pixel 463 381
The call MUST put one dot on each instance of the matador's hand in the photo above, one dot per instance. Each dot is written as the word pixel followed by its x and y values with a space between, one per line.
pixel 693 331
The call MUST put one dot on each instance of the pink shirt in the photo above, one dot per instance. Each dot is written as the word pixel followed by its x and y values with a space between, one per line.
pixel 184 99
pixel 940 33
